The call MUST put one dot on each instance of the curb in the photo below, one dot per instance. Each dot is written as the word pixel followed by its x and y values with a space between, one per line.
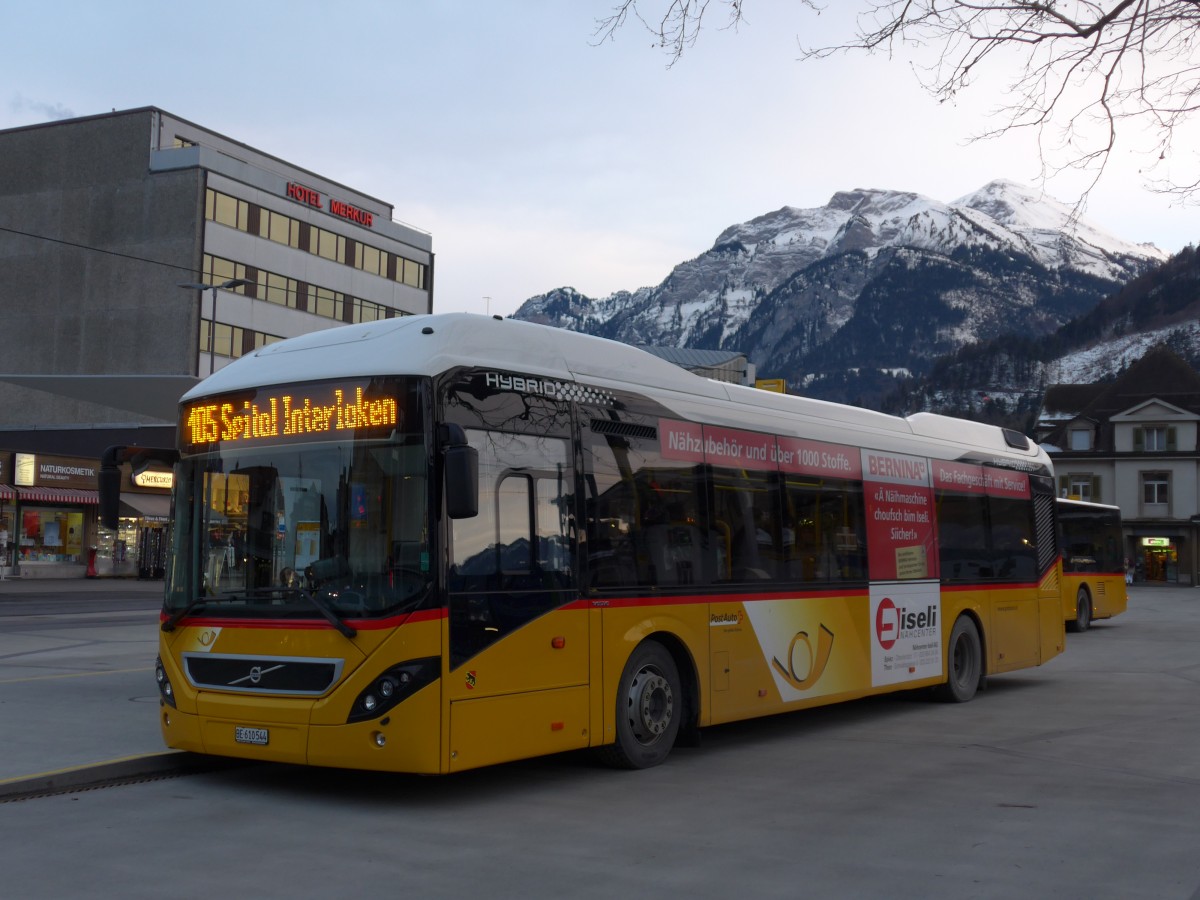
pixel 115 771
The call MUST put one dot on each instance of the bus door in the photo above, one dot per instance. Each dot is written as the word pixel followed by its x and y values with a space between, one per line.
pixel 518 634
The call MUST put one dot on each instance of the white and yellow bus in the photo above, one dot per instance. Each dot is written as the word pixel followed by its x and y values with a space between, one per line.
pixel 1093 562
pixel 440 542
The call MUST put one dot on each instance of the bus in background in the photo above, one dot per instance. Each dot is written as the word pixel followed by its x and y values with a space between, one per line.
pixel 1093 564
pixel 434 543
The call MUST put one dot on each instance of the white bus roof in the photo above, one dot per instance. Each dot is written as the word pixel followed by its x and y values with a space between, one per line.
pixel 1087 504
pixel 431 344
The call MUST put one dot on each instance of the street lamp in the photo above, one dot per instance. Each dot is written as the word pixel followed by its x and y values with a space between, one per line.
pixel 212 328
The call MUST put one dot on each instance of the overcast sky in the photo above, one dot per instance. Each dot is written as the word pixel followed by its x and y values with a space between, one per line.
pixel 535 157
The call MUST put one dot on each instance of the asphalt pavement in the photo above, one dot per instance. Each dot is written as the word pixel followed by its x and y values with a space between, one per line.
pixel 78 703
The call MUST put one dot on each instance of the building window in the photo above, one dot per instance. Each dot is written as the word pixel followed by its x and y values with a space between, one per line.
pixel 230 211
pixel 410 273
pixel 1154 438
pixel 291 232
pixel 328 303
pixel 1156 493
pixel 1081 438
pixel 231 341
pixel 1083 486
pixel 278 289
pixel 51 535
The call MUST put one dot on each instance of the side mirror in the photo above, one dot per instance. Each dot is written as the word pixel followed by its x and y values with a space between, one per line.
pixel 462 482
pixel 108 479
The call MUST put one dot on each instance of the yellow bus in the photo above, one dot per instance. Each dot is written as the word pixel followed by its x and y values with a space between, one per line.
pixel 435 543
pixel 1093 565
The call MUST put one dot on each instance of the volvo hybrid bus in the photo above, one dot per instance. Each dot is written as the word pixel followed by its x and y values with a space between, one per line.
pixel 434 543
pixel 1093 564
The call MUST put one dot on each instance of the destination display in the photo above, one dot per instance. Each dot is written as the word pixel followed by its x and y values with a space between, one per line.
pixel 288 413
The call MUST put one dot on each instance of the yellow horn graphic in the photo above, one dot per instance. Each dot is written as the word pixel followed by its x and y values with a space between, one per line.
pixel 819 659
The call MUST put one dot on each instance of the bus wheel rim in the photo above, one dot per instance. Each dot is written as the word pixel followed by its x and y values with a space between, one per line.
pixel 961 660
pixel 652 705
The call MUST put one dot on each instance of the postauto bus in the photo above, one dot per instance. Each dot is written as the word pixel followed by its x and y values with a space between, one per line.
pixel 1093 564
pixel 440 542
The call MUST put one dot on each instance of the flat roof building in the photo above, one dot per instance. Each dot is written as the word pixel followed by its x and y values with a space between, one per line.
pixel 139 244
pixel 103 218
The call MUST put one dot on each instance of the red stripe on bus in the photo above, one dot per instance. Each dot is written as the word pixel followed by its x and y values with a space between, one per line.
pixel 424 615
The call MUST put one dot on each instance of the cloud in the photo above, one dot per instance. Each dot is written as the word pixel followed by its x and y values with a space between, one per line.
pixel 50 112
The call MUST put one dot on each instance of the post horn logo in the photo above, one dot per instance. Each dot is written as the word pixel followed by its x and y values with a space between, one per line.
pixel 817 661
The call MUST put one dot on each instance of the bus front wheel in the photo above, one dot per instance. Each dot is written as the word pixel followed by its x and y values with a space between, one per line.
pixel 964 663
pixel 650 705
pixel 1083 612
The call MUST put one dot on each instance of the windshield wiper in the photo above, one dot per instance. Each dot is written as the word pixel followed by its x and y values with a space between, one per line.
pixel 170 624
pixel 324 609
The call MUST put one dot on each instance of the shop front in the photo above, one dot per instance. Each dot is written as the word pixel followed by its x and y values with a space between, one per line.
pixel 1157 559
pixel 49 522
pixel 8 509
pixel 138 546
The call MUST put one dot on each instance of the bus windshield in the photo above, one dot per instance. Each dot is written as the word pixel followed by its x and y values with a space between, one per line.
pixel 278 528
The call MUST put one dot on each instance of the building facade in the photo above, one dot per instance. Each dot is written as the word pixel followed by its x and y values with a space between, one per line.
pixel 1135 443
pixel 137 243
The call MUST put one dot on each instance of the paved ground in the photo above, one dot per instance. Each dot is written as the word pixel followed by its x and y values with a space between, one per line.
pixel 76 681
pixel 77 698
pixel 1078 779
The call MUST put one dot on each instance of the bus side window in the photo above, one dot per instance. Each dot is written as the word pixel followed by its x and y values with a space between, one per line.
pixel 826 520
pixel 646 523
pixel 963 537
pixel 746 514
pixel 1013 551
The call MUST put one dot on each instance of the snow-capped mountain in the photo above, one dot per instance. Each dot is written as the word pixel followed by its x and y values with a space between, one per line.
pixel 871 282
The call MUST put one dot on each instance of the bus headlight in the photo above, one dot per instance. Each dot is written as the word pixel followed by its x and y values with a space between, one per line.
pixel 393 686
pixel 165 691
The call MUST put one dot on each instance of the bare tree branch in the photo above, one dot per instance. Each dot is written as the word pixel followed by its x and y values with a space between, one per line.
pixel 1080 73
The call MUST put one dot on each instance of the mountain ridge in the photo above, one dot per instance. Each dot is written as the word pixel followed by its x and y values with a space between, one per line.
pixel 830 298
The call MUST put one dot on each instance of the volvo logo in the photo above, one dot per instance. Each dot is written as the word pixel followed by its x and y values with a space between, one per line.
pixel 255 676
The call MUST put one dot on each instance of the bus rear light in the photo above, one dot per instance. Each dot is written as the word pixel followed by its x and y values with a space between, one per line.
pixel 392 687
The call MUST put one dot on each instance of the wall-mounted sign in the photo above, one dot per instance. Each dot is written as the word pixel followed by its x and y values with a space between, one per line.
pixel 24 469
pixel 154 479
pixel 33 470
pixel 1156 542
pixel 340 208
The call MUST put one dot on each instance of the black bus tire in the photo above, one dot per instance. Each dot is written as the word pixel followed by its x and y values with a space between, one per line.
pixel 650 705
pixel 964 663
pixel 1083 612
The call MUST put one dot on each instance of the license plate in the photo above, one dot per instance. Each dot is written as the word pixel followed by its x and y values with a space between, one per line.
pixel 251 735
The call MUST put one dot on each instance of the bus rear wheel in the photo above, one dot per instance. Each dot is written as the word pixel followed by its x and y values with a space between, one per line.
pixel 650 705
pixel 964 663
pixel 1083 612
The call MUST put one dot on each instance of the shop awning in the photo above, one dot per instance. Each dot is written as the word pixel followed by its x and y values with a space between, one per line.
pixel 58 495
pixel 157 506
pixel 7 493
